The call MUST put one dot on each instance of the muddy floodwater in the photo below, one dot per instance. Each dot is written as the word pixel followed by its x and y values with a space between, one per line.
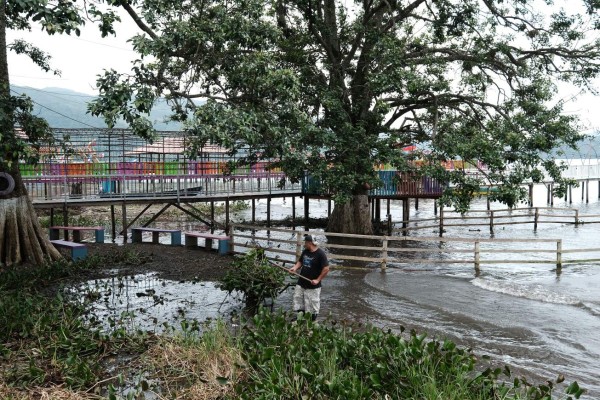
pixel 527 316
pixel 149 303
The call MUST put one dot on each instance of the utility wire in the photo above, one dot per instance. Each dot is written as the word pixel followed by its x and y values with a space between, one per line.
pixel 58 93
pixel 56 112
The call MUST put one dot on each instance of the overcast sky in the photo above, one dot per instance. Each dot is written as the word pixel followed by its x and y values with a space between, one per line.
pixel 81 59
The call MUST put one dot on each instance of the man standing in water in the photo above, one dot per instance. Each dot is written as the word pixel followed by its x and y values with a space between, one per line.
pixel 313 266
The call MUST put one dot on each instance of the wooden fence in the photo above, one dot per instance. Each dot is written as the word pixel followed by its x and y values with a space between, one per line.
pixel 495 218
pixel 390 251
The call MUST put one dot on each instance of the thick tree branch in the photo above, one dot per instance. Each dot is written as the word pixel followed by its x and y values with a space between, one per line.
pixel 138 21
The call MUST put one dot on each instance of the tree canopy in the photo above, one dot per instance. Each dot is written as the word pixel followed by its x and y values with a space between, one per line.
pixel 336 87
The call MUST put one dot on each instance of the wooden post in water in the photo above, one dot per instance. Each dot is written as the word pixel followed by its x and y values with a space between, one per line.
pixel 253 210
pixel 377 209
pixel 570 194
pixel 491 222
pixel 477 257
pixel 298 245
pixel 558 255
pixel 389 224
pixel 535 219
pixel 328 208
pixel 306 211
pixel 587 191
pixel 416 203
pixel 576 217
pixel 384 254
pixel 582 190
pixel 488 201
pixel 212 217
pixel 124 217
pixel 552 194
pixel 269 211
pixel 530 194
pixel 441 220
pixel 435 207
pixel 293 210
pixel 113 224
pixel 388 207
pixel 405 215
pixel 548 194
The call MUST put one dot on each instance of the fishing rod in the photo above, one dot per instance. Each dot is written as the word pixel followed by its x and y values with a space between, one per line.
pixel 288 271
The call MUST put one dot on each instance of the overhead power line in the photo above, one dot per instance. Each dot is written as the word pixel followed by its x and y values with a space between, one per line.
pixel 56 112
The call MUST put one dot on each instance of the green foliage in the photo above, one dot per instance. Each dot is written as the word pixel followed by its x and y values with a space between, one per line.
pixel 46 341
pixel 336 88
pixel 254 277
pixel 308 360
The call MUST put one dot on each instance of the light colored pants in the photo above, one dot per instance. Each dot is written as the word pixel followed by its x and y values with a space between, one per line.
pixel 307 300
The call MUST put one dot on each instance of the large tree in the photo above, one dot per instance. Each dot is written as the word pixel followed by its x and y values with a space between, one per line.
pixel 21 238
pixel 337 87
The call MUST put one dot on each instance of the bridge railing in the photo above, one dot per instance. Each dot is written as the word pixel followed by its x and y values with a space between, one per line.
pixel 394 183
pixel 148 179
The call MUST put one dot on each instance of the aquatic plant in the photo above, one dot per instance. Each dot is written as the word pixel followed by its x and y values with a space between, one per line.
pixel 322 361
pixel 253 276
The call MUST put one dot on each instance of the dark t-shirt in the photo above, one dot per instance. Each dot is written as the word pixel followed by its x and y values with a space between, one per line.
pixel 312 266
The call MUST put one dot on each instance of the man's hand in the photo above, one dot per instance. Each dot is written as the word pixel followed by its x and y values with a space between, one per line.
pixel 314 282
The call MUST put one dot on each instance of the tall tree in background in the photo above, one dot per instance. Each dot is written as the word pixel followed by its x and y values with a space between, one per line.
pixel 337 87
pixel 21 237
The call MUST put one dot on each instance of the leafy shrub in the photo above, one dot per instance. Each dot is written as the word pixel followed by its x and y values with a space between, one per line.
pixel 254 277
pixel 322 361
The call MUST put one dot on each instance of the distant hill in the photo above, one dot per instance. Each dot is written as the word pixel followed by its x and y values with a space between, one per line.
pixel 64 108
pixel 588 148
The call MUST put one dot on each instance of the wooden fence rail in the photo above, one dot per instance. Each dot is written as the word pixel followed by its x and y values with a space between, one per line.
pixel 384 250
pixel 494 218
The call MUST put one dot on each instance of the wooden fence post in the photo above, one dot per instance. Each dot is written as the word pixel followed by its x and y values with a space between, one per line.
pixel 298 245
pixel 576 217
pixel 384 253
pixel 441 220
pixel 491 222
pixel 477 257
pixel 558 255
pixel 535 219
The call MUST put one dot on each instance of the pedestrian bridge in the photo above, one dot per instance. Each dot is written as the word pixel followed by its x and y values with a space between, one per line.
pixel 103 164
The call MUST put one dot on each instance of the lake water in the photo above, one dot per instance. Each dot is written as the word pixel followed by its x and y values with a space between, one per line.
pixel 527 316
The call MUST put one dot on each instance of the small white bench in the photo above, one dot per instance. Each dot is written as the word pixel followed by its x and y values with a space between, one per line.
pixel 191 240
pixel 136 235
pixel 78 250
pixel 98 230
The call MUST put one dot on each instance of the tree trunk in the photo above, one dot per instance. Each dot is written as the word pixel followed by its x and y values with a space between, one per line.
pixel 21 236
pixel 352 217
